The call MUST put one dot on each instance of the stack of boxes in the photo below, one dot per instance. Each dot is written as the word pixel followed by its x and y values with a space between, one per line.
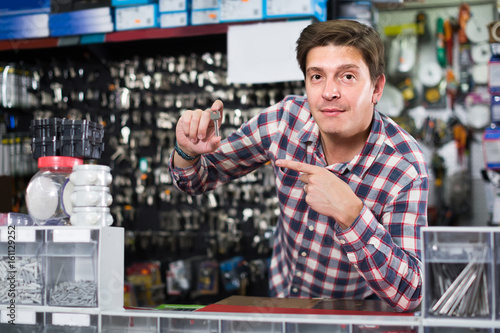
pixel 173 13
pixel 58 18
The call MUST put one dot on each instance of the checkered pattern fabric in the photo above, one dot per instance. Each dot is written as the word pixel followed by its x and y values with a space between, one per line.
pixel 312 256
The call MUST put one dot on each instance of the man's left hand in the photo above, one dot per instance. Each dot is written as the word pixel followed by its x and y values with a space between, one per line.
pixel 326 193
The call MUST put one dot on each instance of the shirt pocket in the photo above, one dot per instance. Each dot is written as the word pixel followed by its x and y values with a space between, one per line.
pixel 288 178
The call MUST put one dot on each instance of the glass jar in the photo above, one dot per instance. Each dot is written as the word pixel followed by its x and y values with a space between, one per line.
pixel 45 194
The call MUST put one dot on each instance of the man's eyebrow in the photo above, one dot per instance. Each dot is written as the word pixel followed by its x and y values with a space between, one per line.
pixel 348 66
pixel 342 67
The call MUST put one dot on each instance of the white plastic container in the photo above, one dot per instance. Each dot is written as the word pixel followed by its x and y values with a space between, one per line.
pixel 91 174
pixel 91 196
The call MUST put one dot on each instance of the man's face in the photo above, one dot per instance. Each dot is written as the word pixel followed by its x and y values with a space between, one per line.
pixel 340 92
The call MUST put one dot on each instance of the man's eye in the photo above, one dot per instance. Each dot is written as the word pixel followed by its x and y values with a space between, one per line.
pixel 316 77
pixel 349 76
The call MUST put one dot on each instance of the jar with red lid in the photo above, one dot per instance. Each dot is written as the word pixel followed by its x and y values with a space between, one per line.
pixel 48 192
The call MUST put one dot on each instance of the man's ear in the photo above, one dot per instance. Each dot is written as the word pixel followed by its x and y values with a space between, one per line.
pixel 378 89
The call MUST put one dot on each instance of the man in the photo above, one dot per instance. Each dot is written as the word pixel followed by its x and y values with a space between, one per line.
pixel 352 185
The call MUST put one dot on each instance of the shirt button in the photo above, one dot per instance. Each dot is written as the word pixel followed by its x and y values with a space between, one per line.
pixel 342 241
pixel 311 228
pixel 299 274
pixel 295 290
pixel 355 266
pixel 303 254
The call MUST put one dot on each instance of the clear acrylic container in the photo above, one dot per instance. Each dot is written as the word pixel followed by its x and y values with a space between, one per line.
pixel 23 322
pixel 458 266
pixel 125 324
pixel 45 195
pixel 71 266
pixel 188 325
pixel 71 322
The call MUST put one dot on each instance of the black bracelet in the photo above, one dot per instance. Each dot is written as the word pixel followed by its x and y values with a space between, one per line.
pixel 183 154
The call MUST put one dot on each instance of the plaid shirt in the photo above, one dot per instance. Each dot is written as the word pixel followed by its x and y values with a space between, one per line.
pixel 312 256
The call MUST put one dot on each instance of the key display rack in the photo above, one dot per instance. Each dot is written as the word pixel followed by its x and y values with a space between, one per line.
pixel 71 279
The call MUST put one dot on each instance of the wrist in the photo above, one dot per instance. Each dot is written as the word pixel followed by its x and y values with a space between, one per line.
pixel 188 156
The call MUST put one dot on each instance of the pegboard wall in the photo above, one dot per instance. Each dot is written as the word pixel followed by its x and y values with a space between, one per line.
pixel 486 10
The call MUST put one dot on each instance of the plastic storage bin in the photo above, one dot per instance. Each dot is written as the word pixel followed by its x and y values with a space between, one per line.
pixel 71 322
pixel 124 324
pixel 21 267
pixel 458 266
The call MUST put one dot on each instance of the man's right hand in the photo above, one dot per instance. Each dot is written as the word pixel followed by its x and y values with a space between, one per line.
pixel 195 133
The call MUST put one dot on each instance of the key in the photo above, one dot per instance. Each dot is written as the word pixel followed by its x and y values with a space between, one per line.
pixel 215 116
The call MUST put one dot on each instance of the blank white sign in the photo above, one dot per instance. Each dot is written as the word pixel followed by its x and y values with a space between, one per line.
pixel 264 52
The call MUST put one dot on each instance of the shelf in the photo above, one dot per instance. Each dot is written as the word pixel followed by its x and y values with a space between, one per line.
pixel 117 36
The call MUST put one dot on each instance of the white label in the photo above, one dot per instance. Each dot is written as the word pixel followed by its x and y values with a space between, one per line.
pixel 21 235
pixel 204 4
pixel 283 7
pixel 70 319
pixel 204 17
pixel 20 317
pixel 231 10
pixel 172 5
pixel 71 235
pixel 173 20
pixel 135 17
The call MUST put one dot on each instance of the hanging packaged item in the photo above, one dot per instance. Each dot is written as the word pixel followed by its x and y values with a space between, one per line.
pixel 491 148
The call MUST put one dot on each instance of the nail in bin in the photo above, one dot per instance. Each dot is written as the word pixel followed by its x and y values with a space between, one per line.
pixel 21 266
pixel 459 272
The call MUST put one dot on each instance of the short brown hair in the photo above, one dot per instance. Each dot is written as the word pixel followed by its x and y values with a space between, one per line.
pixel 343 33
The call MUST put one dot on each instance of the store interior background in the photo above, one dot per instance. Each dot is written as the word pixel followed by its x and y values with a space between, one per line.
pixel 198 250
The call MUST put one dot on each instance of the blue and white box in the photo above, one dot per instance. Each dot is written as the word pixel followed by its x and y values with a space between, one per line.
pixel 18 22
pixel 205 16
pixel 136 17
pixel 204 4
pixel 24 26
pixel 175 19
pixel 81 22
pixel 241 10
pixel 295 9
pixel 84 15
pixel 118 3
pixel 165 6
pixel 82 29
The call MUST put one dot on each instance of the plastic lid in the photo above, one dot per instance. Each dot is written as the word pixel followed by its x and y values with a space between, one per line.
pixel 58 161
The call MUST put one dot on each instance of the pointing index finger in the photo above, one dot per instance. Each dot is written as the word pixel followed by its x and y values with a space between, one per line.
pixel 297 166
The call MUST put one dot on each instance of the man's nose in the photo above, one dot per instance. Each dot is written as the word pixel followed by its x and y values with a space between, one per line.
pixel 331 91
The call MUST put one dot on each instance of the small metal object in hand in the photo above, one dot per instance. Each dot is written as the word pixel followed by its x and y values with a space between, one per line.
pixel 215 115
